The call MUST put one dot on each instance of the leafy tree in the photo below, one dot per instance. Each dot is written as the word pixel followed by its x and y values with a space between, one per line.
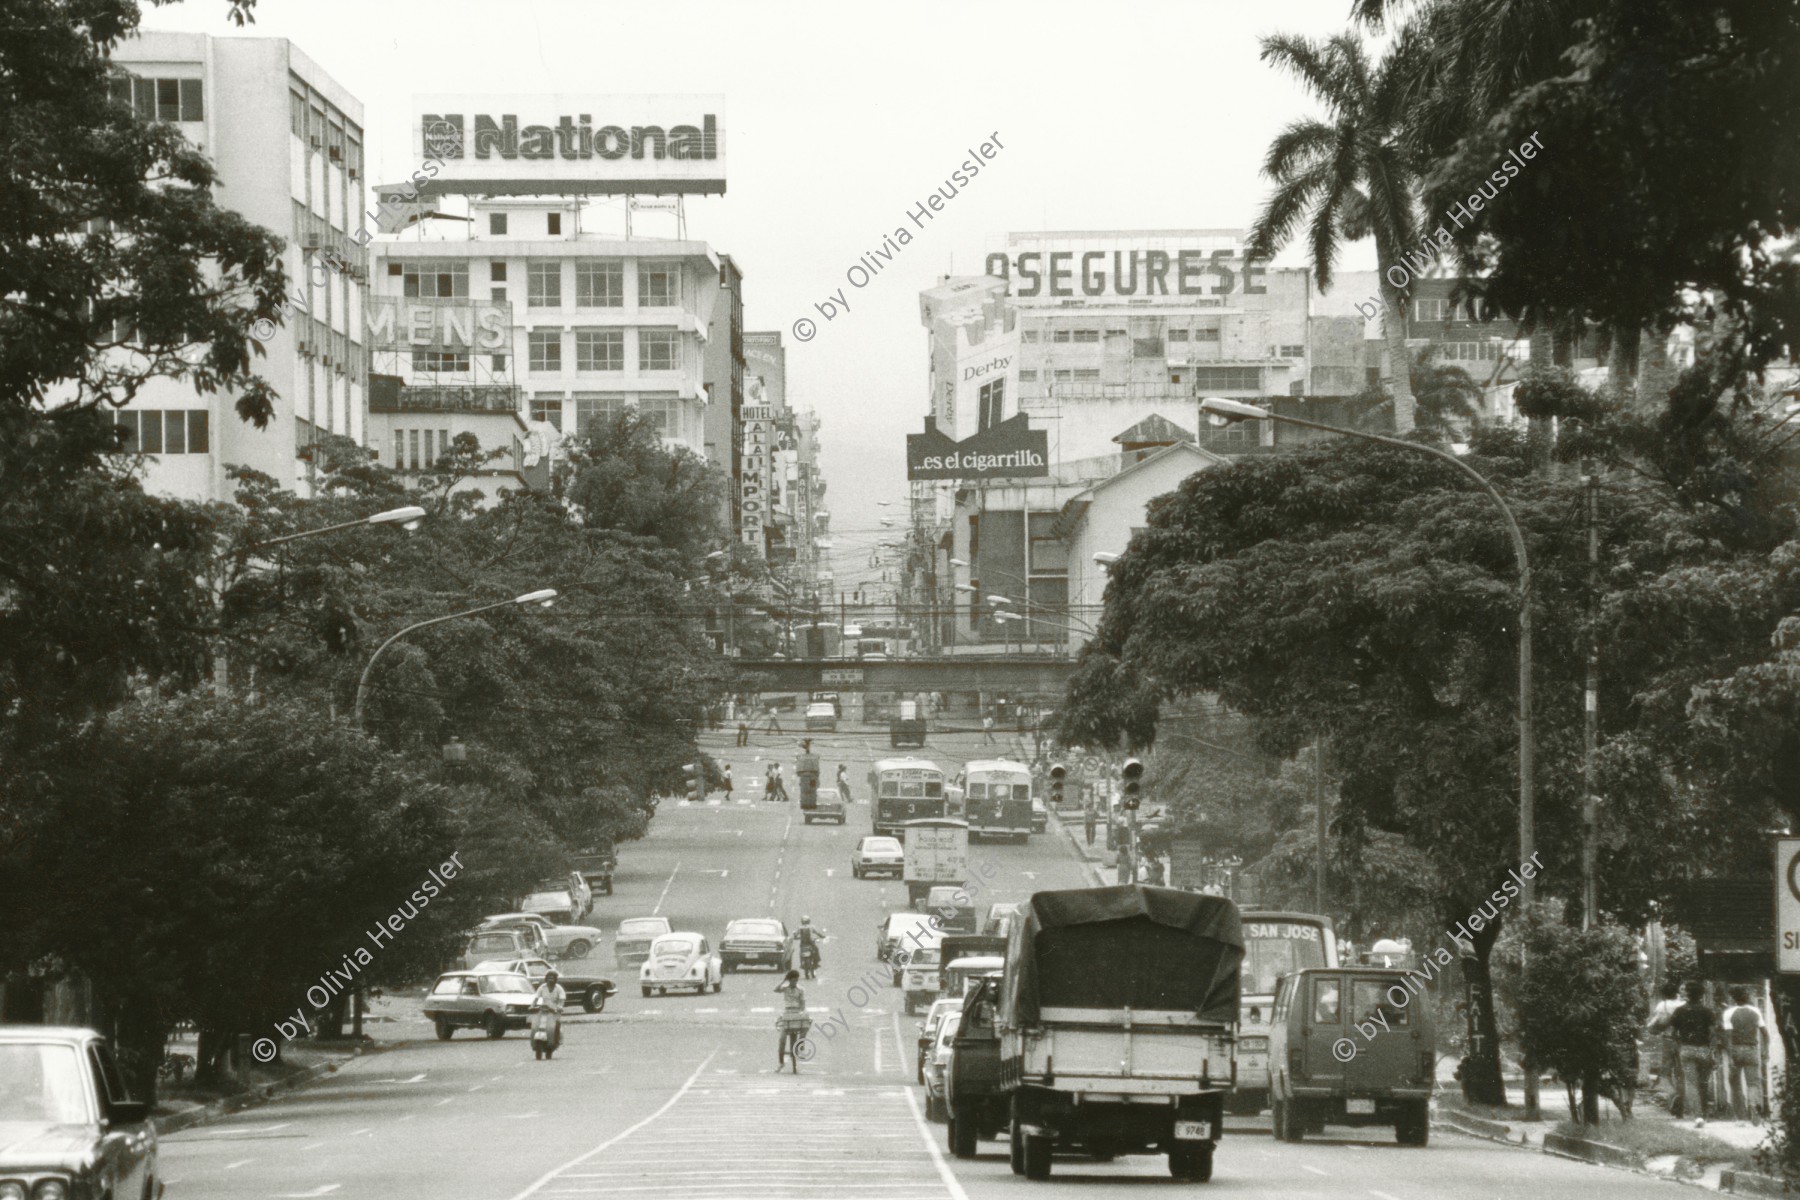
pixel 1352 175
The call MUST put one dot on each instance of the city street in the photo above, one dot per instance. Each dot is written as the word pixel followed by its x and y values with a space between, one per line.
pixel 677 1095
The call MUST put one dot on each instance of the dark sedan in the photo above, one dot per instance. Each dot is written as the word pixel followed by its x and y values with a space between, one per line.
pixel 70 1129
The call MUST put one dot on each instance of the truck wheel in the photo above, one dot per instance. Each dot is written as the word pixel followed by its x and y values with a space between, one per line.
pixel 646 991
pixel 962 1131
pixel 444 1029
pixel 934 1108
pixel 1192 1163
pixel 1290 1126
pixel 1414 1126
pixel 1037 1156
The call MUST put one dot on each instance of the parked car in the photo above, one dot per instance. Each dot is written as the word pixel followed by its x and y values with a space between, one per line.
pixel 928 1028
pixel 563 941
pixel 822 715
pixel 486 945
pixel 903 931
pixel 878 856
pixel 754 942
pixel 70 1129
pixel 681 960
pixel 632 945
pixel 938 1065
pixel 1040 816
pixel 492 1001
pixel 1387 1081
pixel 589 991
pixel 564 900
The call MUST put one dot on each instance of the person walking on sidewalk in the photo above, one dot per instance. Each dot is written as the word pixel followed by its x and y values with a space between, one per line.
pixel 843 784
pixel 1696 1029
pixel 727 774
pixel 781 792
pixel 743 733
pixel 1747 1042
pixel 1660 1027
pixel 987 724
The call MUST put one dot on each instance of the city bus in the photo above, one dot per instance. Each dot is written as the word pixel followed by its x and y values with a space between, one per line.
pixel 997 799
pixel 1275 944
pixel 902 790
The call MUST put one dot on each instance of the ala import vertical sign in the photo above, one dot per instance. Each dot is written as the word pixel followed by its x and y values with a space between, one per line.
pixel 754 488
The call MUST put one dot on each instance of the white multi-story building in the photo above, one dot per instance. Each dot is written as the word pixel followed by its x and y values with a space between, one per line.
pixel 287 140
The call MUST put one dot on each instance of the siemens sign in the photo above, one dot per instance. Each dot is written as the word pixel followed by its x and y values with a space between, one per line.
pixel 1057 273
pixel 552 145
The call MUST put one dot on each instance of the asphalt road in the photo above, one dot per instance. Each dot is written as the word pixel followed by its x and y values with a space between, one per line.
pixel 678 1095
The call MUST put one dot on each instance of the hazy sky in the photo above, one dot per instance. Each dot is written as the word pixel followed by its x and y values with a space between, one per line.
pixel 840 117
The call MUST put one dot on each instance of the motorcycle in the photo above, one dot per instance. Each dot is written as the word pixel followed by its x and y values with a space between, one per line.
pixel 546 1032
pixel 809 960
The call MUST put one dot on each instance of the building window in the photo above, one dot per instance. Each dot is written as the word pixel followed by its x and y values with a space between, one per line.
pixel 1428 310
pixel 543 286
pixel 1293 352
pixel 659 412
pixel 599 284
pixel 1174 376
pixel 1118 333
pixel 1228 379
pixel 1087 335
pixel 657 350
pixel 546 351
pixel 1065 376
pixel 1469 351
pixel 497 272
pixel 1030 335
pixel 296 111
pixel 993 400
pixel 548 408
pixel 594 410
pixel 497 362
pixel 399 449
pixel 554 223
pixel 659 285
pixel 1207 333
pixel 1060 335
pixel 441 360
pixel 1087 375
pixel 164 431
pixel 169 99
pixel 497 295
pixel 1176 335
pixel 441 280
pixel 1049 553
pixel 1027 376
pixel 599 349
pixel 497 228
pixel 413 442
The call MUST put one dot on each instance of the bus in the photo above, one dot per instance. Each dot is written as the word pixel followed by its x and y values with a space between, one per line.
pixel 902 790
pixel 997 799
pixel 1275 944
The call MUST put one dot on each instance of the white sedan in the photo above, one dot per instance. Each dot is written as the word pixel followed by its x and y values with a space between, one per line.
pixel 563 941
pixel 681 960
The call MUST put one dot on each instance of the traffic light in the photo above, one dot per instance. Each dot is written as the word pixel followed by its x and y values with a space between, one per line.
pixel 1057 772
pixel 694 784
pixel 1133 775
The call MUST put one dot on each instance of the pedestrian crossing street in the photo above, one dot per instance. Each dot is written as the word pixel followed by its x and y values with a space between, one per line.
pixel 774 1137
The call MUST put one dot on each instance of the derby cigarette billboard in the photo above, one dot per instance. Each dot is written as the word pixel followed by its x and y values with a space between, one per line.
pixel 1009 450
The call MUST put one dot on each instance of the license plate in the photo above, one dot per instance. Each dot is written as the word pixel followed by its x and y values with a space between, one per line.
pixel 1356 1108
pixel 1193 1131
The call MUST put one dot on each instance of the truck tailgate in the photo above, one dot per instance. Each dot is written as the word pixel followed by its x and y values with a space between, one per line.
pixel 1158 1053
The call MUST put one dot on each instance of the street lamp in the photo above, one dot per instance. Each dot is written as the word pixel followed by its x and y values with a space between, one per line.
pixel 543 597
pixel 1105 558
pixel 1233 410
pixel 408 518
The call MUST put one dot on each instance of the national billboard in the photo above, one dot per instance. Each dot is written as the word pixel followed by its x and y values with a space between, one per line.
pixel 1009 450
pixel 571 145
pixel 462 325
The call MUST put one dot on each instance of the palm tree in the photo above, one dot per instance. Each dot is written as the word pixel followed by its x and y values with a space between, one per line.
pixel 1347 179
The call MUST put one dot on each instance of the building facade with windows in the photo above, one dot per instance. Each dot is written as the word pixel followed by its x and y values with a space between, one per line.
pixel 287 140
pixel 724 381
pixel 598 324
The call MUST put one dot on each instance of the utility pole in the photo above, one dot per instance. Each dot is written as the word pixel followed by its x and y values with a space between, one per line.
pixel 1590 805
pixel 1319 804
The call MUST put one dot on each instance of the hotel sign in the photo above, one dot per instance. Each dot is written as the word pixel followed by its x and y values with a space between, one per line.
pixel 571 145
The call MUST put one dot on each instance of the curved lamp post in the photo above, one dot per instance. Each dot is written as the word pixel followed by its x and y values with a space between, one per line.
pixel 407 518
pixel 545 597
pixel 1233 410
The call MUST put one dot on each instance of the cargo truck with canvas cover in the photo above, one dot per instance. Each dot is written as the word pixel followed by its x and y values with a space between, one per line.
pixel 1116 1024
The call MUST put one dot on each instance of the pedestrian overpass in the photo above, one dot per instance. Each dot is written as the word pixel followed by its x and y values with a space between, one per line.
pixel 1016 674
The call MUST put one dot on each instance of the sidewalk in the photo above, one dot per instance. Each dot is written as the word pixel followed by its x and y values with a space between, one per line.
pixel 184 1106
pixel 1099 862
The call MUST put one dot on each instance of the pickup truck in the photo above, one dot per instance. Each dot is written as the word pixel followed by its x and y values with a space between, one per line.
pixel 597 866
pixel 978 1106
pixel 1116 1025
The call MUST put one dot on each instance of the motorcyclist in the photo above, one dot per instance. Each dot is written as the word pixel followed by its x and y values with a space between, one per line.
pixel 806 941
pixel 550 997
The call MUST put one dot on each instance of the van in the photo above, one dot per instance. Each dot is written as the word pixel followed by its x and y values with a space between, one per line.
pixel 1352 1046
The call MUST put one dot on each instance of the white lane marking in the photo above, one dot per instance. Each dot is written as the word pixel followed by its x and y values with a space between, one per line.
pixel 830 871
pixel 519 1116
pixel 240 1162
pixel 666 886
pixel 360 1132
pixel 931 1143
pixel 762 1010
pixel 303 1150
pixel 1314 1170
pixel 1383 1195
pixel 899 1045
pixel 706 1010
pixel 324 1189
pixel 443 1102
pixel 235 1130
pixel 879 1041
pixel 621 1136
